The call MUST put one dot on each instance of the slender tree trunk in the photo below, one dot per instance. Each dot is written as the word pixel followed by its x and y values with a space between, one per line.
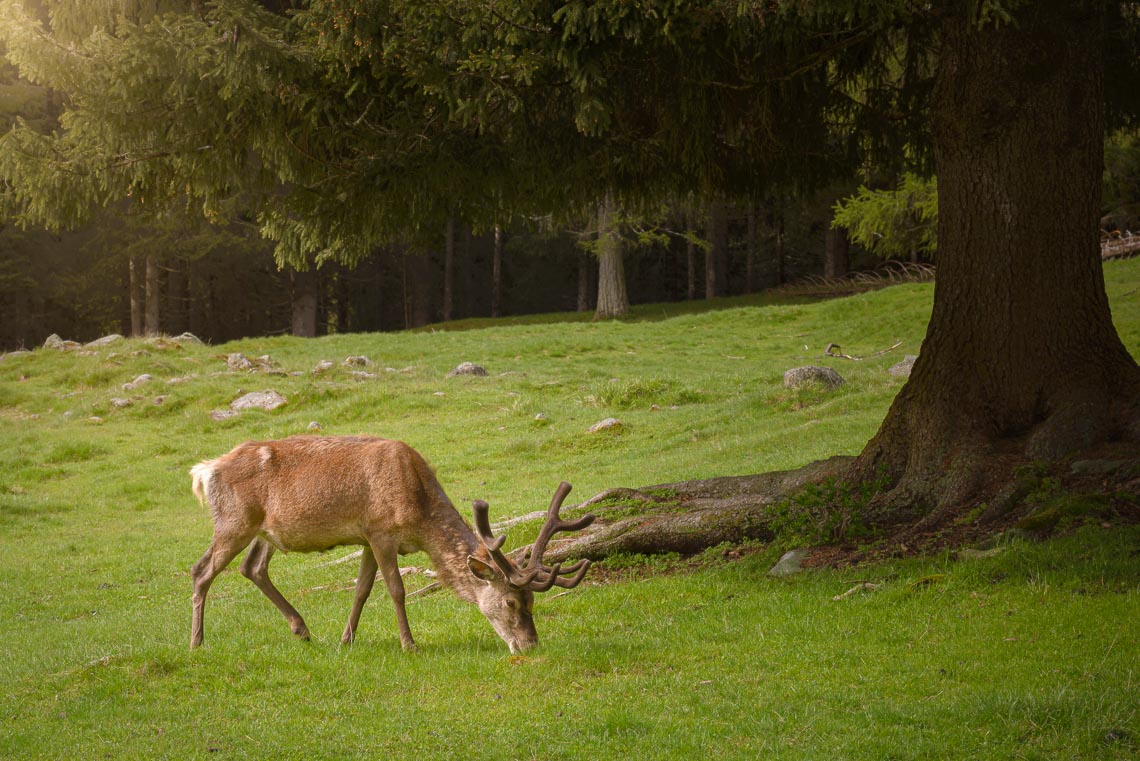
pixel 449 270
pixel 138 300
pixel 781 276
pixel 497 274
pixel 836 247
pixel 584 262
pixel 1021 360
pixel 718 251
pixel 176 296
pixel 153 297
pixel 753 251
pixel 613 299
pixel 304 297
pixel 691 270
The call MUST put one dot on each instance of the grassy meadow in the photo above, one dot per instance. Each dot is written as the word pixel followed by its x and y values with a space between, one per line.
pixel 1031 651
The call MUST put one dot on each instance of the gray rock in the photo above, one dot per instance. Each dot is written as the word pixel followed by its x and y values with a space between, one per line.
pixel 55 342
pixel 314 426
pixel 364 375
pixel 120 403
pixel 99 343
pixel 187 338
pixel 542 416
pixel 360 361
pixel 903 368
pixel 323 366
pixel 261 400
pixel 790 563
pixel 132 385
pixel 223 414
pixel 238 362
pixel 16 353
pixel 467 368
pixel 604 425
pixel 798 377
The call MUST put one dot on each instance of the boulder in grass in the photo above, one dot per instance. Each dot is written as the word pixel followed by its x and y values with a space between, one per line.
pixel 609 424
pixel 903 368
pixel 55 342
pixel 99 343
pixel 798 377
pixel 260 400
pixel 467 368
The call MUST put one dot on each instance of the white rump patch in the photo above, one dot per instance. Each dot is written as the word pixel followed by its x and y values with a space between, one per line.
pixel 201 476
pixel 266 454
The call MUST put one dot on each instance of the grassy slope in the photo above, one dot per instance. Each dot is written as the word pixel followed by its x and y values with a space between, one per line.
pixel 1032 653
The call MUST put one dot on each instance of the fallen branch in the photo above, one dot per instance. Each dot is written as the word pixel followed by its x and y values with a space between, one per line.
pixel 866 586
pixel 832 350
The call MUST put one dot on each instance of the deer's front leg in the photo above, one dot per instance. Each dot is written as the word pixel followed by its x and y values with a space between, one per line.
pixel 364 584
pixel 386 557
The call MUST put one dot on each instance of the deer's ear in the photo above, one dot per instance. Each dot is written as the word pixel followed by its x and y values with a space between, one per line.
pixel 484 571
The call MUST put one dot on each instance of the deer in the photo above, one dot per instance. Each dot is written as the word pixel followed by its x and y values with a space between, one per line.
pixel 311 494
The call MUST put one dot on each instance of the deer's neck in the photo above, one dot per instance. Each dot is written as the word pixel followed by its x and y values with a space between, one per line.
pixel 448 550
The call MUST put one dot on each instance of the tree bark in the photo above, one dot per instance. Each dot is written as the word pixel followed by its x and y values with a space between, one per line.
pixel 1021 360
pixel 449 270
pixel 613 299
pixel 780 274
pixel 304 297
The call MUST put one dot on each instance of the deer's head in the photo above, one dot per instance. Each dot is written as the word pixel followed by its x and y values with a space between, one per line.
pixel 507 596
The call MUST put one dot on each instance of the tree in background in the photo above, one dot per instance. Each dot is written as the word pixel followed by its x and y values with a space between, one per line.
pixel 893 224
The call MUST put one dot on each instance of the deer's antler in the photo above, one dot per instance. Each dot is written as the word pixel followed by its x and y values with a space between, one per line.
pixel 535 576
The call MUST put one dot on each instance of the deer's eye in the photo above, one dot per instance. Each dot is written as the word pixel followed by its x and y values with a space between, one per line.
pixel 512 603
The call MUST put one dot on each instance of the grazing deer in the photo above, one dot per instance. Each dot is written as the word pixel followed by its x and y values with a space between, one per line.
pixel 307 494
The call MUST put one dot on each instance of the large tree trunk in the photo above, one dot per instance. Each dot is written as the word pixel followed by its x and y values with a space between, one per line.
pixel 1021 360
pixel 613 299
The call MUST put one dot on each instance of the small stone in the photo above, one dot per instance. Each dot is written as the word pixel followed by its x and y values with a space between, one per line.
pixel 790 563
pixel 132 385
pixel 262 400
pixel 314 426
pixel 799 377
pixel 362 375
pixel 360 361
pixel 541 416
pixel 160 400
pixel 16 353
pixel 95 419
pixel 99 343
pixel 119 403
pixel 187 338
pixel 323 365
pixel 467 368
pixel 438 393
pixel 903 368
pixel 223 414
pixel 655 408
pixel 605 425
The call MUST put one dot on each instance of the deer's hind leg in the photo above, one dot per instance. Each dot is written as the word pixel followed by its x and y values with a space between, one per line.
pixel 223 549
pixel 255 567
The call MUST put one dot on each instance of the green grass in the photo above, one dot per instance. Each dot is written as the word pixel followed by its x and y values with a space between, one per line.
pixel 1030 653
